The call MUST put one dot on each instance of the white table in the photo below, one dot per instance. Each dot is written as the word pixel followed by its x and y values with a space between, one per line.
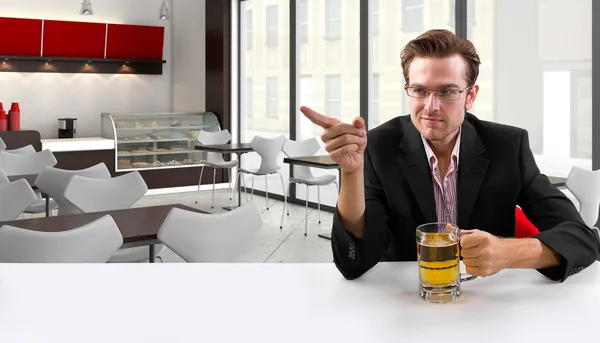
pixel 285 303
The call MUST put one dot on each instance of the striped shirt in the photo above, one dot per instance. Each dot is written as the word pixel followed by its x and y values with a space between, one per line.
pixel 444 192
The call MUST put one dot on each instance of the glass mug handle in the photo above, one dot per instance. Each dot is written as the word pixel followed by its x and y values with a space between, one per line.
pixel 464 276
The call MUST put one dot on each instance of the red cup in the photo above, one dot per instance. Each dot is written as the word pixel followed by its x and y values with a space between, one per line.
pixel 3 120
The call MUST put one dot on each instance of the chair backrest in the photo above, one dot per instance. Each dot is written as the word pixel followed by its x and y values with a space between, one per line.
pixel 15 197
pixel 95 242
pixel 17 164
pixel 95 195
pixel 585 186
pixel 28 149
pixel 2 145
pixel 268 149
pixel 307 147
pixel 213 138
pixel 220 237
pixel 54 181
pixel 3 178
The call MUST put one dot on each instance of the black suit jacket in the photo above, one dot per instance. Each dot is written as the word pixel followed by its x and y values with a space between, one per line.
pixel 496 172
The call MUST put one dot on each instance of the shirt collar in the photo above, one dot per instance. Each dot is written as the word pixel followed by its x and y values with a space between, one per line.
pixel 433 159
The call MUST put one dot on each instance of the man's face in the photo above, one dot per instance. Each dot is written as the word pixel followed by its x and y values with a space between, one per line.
pixel 439 119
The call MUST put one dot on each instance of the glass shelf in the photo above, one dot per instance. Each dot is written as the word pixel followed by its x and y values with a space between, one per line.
pixel 148 141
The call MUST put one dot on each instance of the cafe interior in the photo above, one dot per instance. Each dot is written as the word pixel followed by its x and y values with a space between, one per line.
pixel 158 182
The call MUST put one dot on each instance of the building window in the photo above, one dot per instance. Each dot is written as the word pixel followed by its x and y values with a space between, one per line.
pixel 333 19
pixel 272 98
pixel 333 96
pixel 374 17
pixel 272 25
pixel 249 22
pixel 470 13
pixel 412 15
pixel 374 113
pixel 248 95
pixel 303 21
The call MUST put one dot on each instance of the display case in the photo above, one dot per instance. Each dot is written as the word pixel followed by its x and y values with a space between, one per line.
pixel 147 141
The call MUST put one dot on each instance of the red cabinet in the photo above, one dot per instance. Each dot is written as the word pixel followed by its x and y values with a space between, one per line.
pixel 73 39
pixel 20 37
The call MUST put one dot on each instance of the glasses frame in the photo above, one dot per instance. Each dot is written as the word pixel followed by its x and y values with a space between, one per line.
pixel 436 91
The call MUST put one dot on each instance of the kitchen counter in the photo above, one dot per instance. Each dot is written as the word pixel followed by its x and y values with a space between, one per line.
pixel 78 144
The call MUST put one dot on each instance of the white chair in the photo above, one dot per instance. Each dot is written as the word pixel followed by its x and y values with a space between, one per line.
pixel 121 192
pixel 28 164
pixel 2 145
pixel 28 149
pixel 585 186
pixel 268 149
pixel 15 198
pixel 54 181
pixel 303 174
pixel 200 237
pixel 95 242
pixel 215 160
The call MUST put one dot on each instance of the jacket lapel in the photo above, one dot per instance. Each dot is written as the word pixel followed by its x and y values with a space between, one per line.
pixel 413 161
pixel 472 166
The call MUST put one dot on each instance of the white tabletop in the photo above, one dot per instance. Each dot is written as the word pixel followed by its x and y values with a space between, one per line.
pixel 285 303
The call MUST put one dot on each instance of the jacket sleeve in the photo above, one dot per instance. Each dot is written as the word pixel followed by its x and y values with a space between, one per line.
pixel 354 256
pixel 561 227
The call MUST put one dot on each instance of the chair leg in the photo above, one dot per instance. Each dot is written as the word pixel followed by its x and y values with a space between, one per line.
pixel 319 202
pixel 252 192
pixel 160 258
pixel 245 188
pixel 288 192
pixel 306 213
pixel 284 200
pixel 200 180
pixel 267 190
pixel 337 186
pixel 213 192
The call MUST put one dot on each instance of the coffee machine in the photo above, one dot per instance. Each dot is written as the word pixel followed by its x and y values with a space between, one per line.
pixel 67 127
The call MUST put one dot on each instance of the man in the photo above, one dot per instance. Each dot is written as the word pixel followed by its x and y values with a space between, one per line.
pixel 443 164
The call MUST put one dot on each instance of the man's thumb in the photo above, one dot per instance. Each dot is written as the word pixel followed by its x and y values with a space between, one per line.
pixel 358 123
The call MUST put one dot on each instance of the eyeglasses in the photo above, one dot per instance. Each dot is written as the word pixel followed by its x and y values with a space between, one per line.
pixel 441 94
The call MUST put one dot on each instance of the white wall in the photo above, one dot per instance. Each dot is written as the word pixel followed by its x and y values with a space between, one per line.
pixel 189 63
pixel 44 98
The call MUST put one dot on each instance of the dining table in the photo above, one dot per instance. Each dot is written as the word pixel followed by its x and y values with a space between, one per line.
pixel 139 226
pixel 286 302
pixel 229 148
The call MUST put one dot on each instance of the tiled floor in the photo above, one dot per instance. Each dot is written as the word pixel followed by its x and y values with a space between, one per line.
pixel 271 244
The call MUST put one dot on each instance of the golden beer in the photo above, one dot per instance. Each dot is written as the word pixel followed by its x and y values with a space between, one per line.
pixel 438 260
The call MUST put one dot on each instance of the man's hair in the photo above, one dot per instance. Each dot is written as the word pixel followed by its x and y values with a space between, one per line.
pixel 440 44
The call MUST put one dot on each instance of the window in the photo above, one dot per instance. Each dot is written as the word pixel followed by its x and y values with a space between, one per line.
pixel 333 19
pixel 248 27
pixel 247 101
pixel 545 88
pixel 452 13
pixel 272 98
pixel 388 98
pixel 374 17
pixel 272 25
pixel 302 21
pixel 333 96
pixel 374 110
pixel 264 79
pixel 412 15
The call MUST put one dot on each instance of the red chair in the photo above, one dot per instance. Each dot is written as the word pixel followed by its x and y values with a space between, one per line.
pixel 523 227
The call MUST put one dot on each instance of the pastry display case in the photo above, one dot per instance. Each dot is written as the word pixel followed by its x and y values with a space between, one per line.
pixel 147 141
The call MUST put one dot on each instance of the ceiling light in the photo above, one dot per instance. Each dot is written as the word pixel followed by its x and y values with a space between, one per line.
pixel 86 8
pixel 164 11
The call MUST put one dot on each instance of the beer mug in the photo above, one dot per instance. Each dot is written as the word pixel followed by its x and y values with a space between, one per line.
pixel 438 257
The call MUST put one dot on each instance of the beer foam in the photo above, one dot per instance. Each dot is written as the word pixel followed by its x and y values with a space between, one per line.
pixel 438 240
